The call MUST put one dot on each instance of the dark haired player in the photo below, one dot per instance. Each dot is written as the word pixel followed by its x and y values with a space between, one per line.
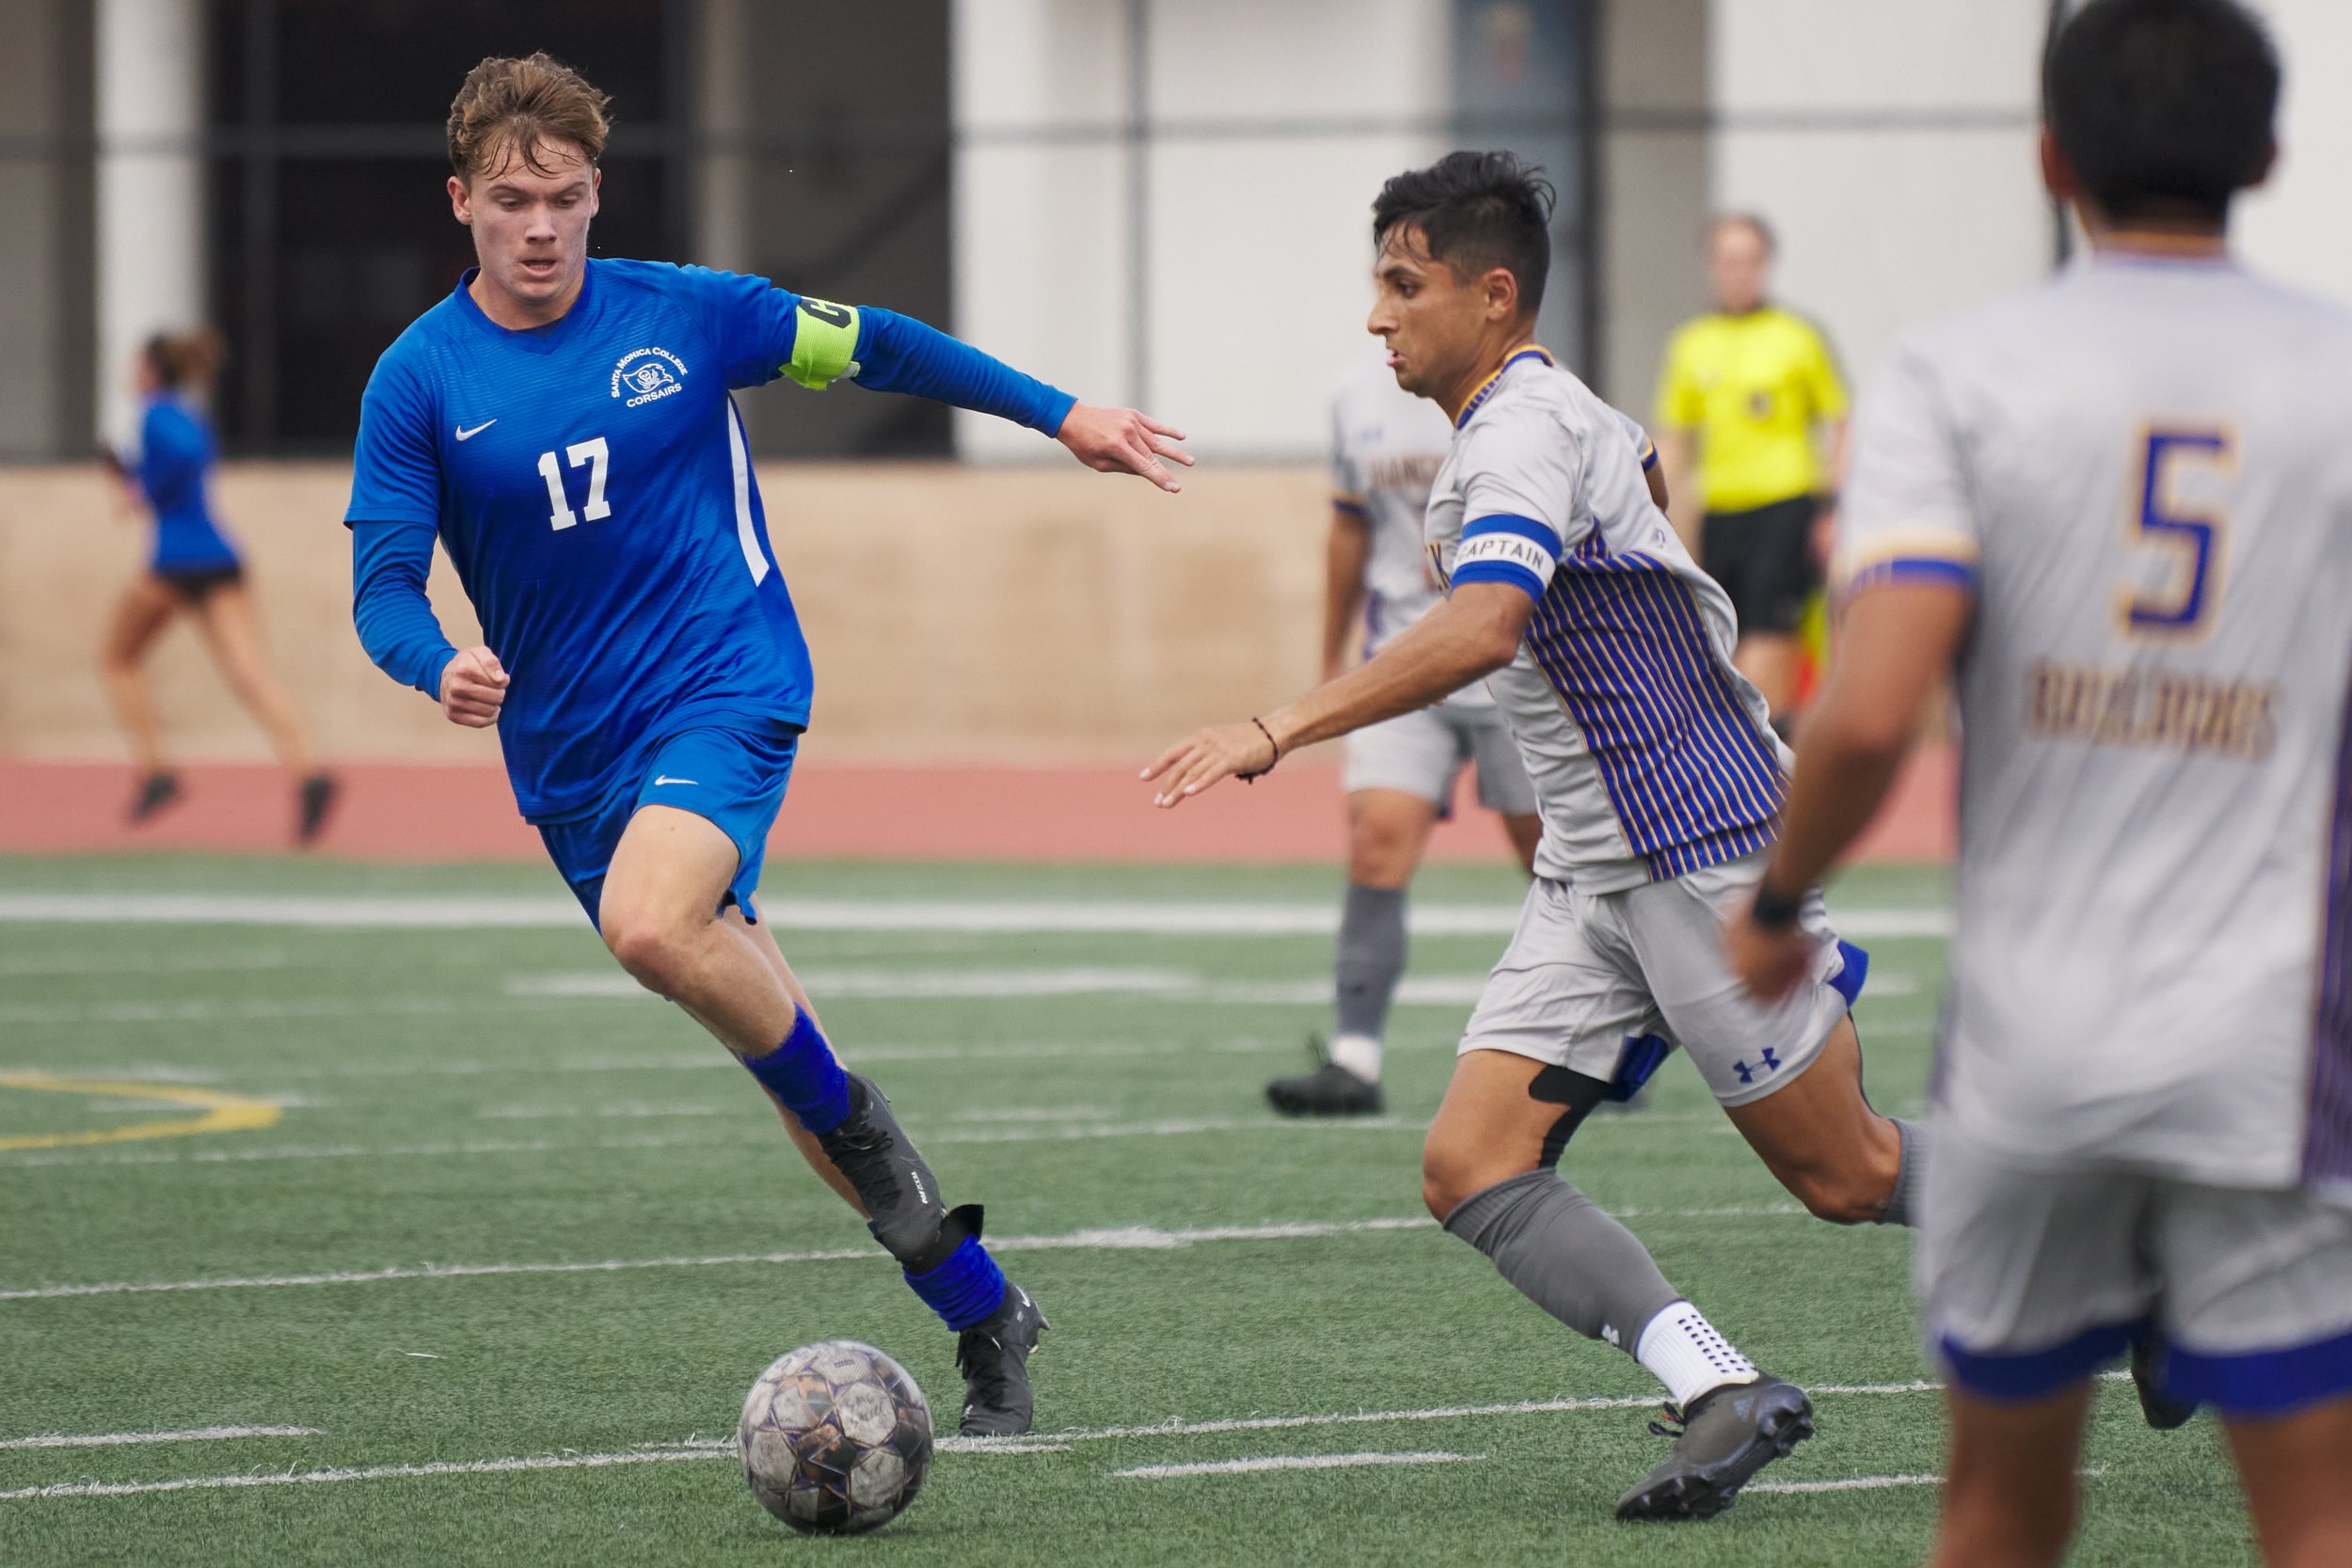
pixel 565 427
pixel 2143 1119
pixel 1610 653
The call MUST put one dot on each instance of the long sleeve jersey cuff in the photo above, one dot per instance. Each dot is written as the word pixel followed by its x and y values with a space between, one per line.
pixel 389 562
pixel 898 354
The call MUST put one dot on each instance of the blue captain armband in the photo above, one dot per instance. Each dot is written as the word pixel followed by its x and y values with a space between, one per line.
pixel 1507 548
pixel 824 344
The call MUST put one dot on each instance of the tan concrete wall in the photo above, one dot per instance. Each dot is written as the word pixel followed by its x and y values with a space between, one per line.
pixel 955 613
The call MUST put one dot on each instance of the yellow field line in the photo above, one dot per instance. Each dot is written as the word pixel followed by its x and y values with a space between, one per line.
pixel 223 1112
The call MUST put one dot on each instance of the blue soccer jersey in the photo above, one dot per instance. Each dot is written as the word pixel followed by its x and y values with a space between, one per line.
pixel 174 467
pixel 590 484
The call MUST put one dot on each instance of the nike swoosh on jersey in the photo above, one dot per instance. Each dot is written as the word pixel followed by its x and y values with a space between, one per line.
pixel 665 779
pixel 468 435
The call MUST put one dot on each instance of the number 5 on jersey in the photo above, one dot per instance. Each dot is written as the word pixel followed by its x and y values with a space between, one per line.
pixel 599 457
pixel 2200 540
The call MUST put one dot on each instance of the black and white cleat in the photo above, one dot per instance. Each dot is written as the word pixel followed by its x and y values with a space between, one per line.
pixel 1727 1434
pixel 994 1356
pixel 1329 1090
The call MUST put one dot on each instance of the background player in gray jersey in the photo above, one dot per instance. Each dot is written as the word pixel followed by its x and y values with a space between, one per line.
pixel 2120 506
pixel 1387 445
pixel 1610 653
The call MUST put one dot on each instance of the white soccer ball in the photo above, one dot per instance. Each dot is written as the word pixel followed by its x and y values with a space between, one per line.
pixel 835 1438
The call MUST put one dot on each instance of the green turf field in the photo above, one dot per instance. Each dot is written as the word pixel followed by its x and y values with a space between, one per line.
pixel 392 1272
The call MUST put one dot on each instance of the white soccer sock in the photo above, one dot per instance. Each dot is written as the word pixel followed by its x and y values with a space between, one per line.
pixel 1686 1354
pixel 1359 1054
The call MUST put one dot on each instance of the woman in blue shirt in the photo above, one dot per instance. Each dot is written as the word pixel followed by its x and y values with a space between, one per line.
pixel 193 568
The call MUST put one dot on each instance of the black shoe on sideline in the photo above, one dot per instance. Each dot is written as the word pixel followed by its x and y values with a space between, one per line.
pixel 317 799
pixel 1727 1434
pixel 994 1356
pixel 2162 1410
pixel 898 1191
pixel 156 791
pixel 1331 1090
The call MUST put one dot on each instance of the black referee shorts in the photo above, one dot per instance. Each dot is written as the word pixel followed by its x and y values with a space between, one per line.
pixel 1763 557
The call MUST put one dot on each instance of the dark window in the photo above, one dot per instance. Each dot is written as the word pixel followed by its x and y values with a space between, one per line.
pixel 1523 79
pixel 330 230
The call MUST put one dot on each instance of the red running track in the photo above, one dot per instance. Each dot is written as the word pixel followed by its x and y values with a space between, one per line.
pixel 392 811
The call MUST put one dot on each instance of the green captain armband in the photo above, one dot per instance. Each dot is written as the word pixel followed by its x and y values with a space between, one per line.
pixel 824 344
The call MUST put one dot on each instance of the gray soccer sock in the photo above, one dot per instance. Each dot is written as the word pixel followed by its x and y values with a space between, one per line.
pixel 1566 1256
pixel 1371 957
pixel 1910 1170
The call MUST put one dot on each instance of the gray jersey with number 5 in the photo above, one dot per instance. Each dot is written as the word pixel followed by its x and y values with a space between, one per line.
pixel 2143 468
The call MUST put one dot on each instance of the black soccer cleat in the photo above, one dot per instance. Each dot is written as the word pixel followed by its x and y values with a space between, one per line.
pixel 994 1356
pixel 1727 1434
pixel 899 1191
pixel 2162 1411
pixel 1331 1090
pixel 156 791
pixel 317 798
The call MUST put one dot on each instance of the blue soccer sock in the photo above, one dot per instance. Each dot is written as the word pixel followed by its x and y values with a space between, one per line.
pixel 804 1074
pixel 966 1289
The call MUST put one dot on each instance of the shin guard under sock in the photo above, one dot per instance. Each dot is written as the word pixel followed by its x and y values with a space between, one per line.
pixel 806 1076
pixel 1370 958
pixel 1562 1253
pixel 965 1287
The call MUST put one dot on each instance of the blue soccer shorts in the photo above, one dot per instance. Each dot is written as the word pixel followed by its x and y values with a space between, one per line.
pixel 733 778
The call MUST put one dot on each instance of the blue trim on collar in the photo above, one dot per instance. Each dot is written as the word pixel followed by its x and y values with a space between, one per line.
pixel 1486 388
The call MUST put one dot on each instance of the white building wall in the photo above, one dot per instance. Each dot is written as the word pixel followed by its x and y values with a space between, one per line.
pixel 1253 229
pixel 150 188
pixel 1892 146
pixel 2298 228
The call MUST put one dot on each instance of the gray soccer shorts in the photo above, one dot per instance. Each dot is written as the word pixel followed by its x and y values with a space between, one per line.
pixel 1420 752
pixel 2031 1279
pixel 1605 984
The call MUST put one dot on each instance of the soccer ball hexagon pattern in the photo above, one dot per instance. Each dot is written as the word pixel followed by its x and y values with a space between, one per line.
pixel 835 1438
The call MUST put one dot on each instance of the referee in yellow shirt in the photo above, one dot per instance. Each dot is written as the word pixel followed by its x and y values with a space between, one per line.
pixel 1755 391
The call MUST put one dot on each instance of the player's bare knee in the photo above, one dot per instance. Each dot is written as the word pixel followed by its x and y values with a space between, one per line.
pixel 648 947
pixel 1379 856
pixel 1451 1175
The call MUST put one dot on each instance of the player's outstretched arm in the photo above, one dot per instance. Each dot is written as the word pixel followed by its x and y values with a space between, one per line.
pixel 885 352
pixel 1467 638
pixel 1896 644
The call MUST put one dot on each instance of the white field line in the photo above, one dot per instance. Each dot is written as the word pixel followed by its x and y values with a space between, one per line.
pixel 117 1439
pixel 675 1061
pixel 931 1135
pixel 986 984
pixel 1134 1238
pixel 1050 1442
pixel 1159 917
pixel 263 1009
pixel 1869 1483
pixel 905 984
pixel 1850 1484
pixel 143 963
pixel 369 1472
pixel 623 1110
pixel 1291 1461
pixel 568 988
